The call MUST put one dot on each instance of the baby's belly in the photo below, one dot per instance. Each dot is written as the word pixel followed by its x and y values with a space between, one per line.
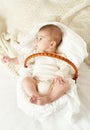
pixel 44 72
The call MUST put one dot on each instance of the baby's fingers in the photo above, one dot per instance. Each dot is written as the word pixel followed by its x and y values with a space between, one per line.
pixel 5 59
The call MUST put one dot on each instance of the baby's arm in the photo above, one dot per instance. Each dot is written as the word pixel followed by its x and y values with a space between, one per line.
pixel 64 69
pixel 7 59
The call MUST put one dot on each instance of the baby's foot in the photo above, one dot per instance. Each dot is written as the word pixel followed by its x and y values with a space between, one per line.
pixel 39 100
pixel 33 99
pixel 43 100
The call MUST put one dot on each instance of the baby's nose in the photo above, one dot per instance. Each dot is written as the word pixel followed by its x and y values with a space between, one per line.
pixel 36 40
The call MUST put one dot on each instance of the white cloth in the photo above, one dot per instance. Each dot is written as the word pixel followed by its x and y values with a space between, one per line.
pixel 44 69
pixel 68 105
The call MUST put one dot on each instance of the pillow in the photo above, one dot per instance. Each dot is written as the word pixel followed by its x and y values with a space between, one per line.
pixel 73 46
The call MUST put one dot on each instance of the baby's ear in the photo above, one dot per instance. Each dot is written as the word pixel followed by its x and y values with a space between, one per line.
pixel 53 43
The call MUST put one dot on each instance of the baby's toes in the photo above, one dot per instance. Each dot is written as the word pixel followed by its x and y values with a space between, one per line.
pixel 33 99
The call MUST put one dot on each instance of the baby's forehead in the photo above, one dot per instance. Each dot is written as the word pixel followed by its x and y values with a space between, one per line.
pixel 43 33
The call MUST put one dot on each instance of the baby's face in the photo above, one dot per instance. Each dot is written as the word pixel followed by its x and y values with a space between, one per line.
pixel 42 41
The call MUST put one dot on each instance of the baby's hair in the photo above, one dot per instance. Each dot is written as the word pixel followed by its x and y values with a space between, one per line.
pixel 54 31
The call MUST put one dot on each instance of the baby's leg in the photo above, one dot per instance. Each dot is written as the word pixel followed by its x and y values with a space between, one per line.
pixel 58 89
pixel 29 86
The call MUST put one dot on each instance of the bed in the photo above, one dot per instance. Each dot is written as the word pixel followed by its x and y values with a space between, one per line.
pixel 12 32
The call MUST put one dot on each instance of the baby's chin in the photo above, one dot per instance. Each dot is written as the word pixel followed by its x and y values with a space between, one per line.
pixel 39 51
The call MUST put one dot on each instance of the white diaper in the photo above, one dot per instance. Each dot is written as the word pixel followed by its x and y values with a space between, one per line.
pixel 44 87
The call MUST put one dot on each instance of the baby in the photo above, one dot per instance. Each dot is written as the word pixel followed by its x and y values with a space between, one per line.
pixel 46 80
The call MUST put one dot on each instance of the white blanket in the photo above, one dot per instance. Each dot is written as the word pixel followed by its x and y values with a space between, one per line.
pixel 67 105
pixel 13 118
pixel 17 17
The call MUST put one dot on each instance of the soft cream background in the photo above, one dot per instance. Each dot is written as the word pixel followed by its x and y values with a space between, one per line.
pixel 21 15
pixel 17 18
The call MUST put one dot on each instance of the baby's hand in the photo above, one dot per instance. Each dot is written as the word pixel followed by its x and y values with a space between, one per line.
pixel 6 59
pixel 57 78
pixel 59 81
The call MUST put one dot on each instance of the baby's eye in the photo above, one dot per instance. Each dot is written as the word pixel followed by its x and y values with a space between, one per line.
pixel 40 38
pixel 36 38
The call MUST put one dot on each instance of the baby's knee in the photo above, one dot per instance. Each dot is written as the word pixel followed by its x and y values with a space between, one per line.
pixel 25 81
pixel 28 80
